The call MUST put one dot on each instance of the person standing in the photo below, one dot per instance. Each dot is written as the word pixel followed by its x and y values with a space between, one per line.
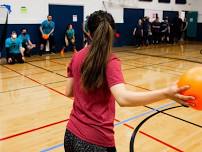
pixel 184 29
pixel 146 30
pixel 177 28
pixel 95 80
pixel 47 34
pixel 69 39
pixel 138 33
pixel 156 25
pixel 165 31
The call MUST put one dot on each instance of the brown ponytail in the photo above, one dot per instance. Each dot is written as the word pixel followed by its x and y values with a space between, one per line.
pixel 94 66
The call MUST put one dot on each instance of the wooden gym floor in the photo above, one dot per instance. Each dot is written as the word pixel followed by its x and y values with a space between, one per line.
pixel 34 110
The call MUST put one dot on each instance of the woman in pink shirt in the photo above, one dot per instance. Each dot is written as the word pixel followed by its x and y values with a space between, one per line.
pixel 95 81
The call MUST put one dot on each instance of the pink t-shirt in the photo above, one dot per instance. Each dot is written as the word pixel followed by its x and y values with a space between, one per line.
pixel 92 116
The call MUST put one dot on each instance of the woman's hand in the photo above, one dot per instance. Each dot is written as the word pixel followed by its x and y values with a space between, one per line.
pixel 174 93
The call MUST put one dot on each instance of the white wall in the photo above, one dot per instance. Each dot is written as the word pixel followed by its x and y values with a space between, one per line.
pixel 38 9
pixel 197 5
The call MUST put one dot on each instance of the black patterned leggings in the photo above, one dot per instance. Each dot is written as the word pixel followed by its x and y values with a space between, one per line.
pixel 74 144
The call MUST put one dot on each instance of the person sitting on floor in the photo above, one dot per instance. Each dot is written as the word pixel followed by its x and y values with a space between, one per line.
pixel 14 49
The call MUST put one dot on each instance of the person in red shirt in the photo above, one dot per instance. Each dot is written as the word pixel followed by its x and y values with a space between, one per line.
pixel 95 81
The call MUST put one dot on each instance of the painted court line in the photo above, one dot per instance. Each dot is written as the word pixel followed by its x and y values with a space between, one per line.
pixel 197 125
pixel 154 138
pixel 46 70
pixel 52 148
pixel 32 130
pixel 119 123
pixel 160 141
pixel 25 132
pixel 187 139
pixel 143 114
pixel 59 63
pixel 32 86
pixel 37 81
pixel 43 59
pixel 141 132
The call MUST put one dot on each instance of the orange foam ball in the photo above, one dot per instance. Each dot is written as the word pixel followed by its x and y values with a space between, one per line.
pixel 45 36
pixel 193 78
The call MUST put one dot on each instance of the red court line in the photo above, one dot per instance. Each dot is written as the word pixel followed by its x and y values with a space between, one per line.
pixel 10 77
pixel 58 63
pixel 32 130
pixel 36 81
pixel 152 137
pixel 160 141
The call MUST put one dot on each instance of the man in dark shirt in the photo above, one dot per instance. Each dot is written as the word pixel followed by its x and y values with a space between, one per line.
pixel 156 25
pixel 177 28
pixel 165 30
pixel 146 28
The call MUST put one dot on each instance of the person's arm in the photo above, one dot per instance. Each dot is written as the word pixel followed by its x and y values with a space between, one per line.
pixel 8 52
pixel 168 28
pixel 30 42
pixel 53 28
pixel 134 31
pixel 66 40
pixel 8 57
pixel 7 46
pixel 142 32
pixel 69 87
pixel 127 98
pixel 84 28
pixel 163 30
pixel 22 50
pixel 51 31
pixel 70 80
pixel 41 29
pixel 185 26
pixel 73 35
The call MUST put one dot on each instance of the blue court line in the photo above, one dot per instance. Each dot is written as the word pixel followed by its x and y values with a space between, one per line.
pixel 119 123
pixel 143 114
pixel 52 148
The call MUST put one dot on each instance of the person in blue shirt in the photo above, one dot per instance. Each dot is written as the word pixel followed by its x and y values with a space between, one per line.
pixel 14 49
pixel 87 37
pixel 26 42
pixel 69 38
pixel 47 28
